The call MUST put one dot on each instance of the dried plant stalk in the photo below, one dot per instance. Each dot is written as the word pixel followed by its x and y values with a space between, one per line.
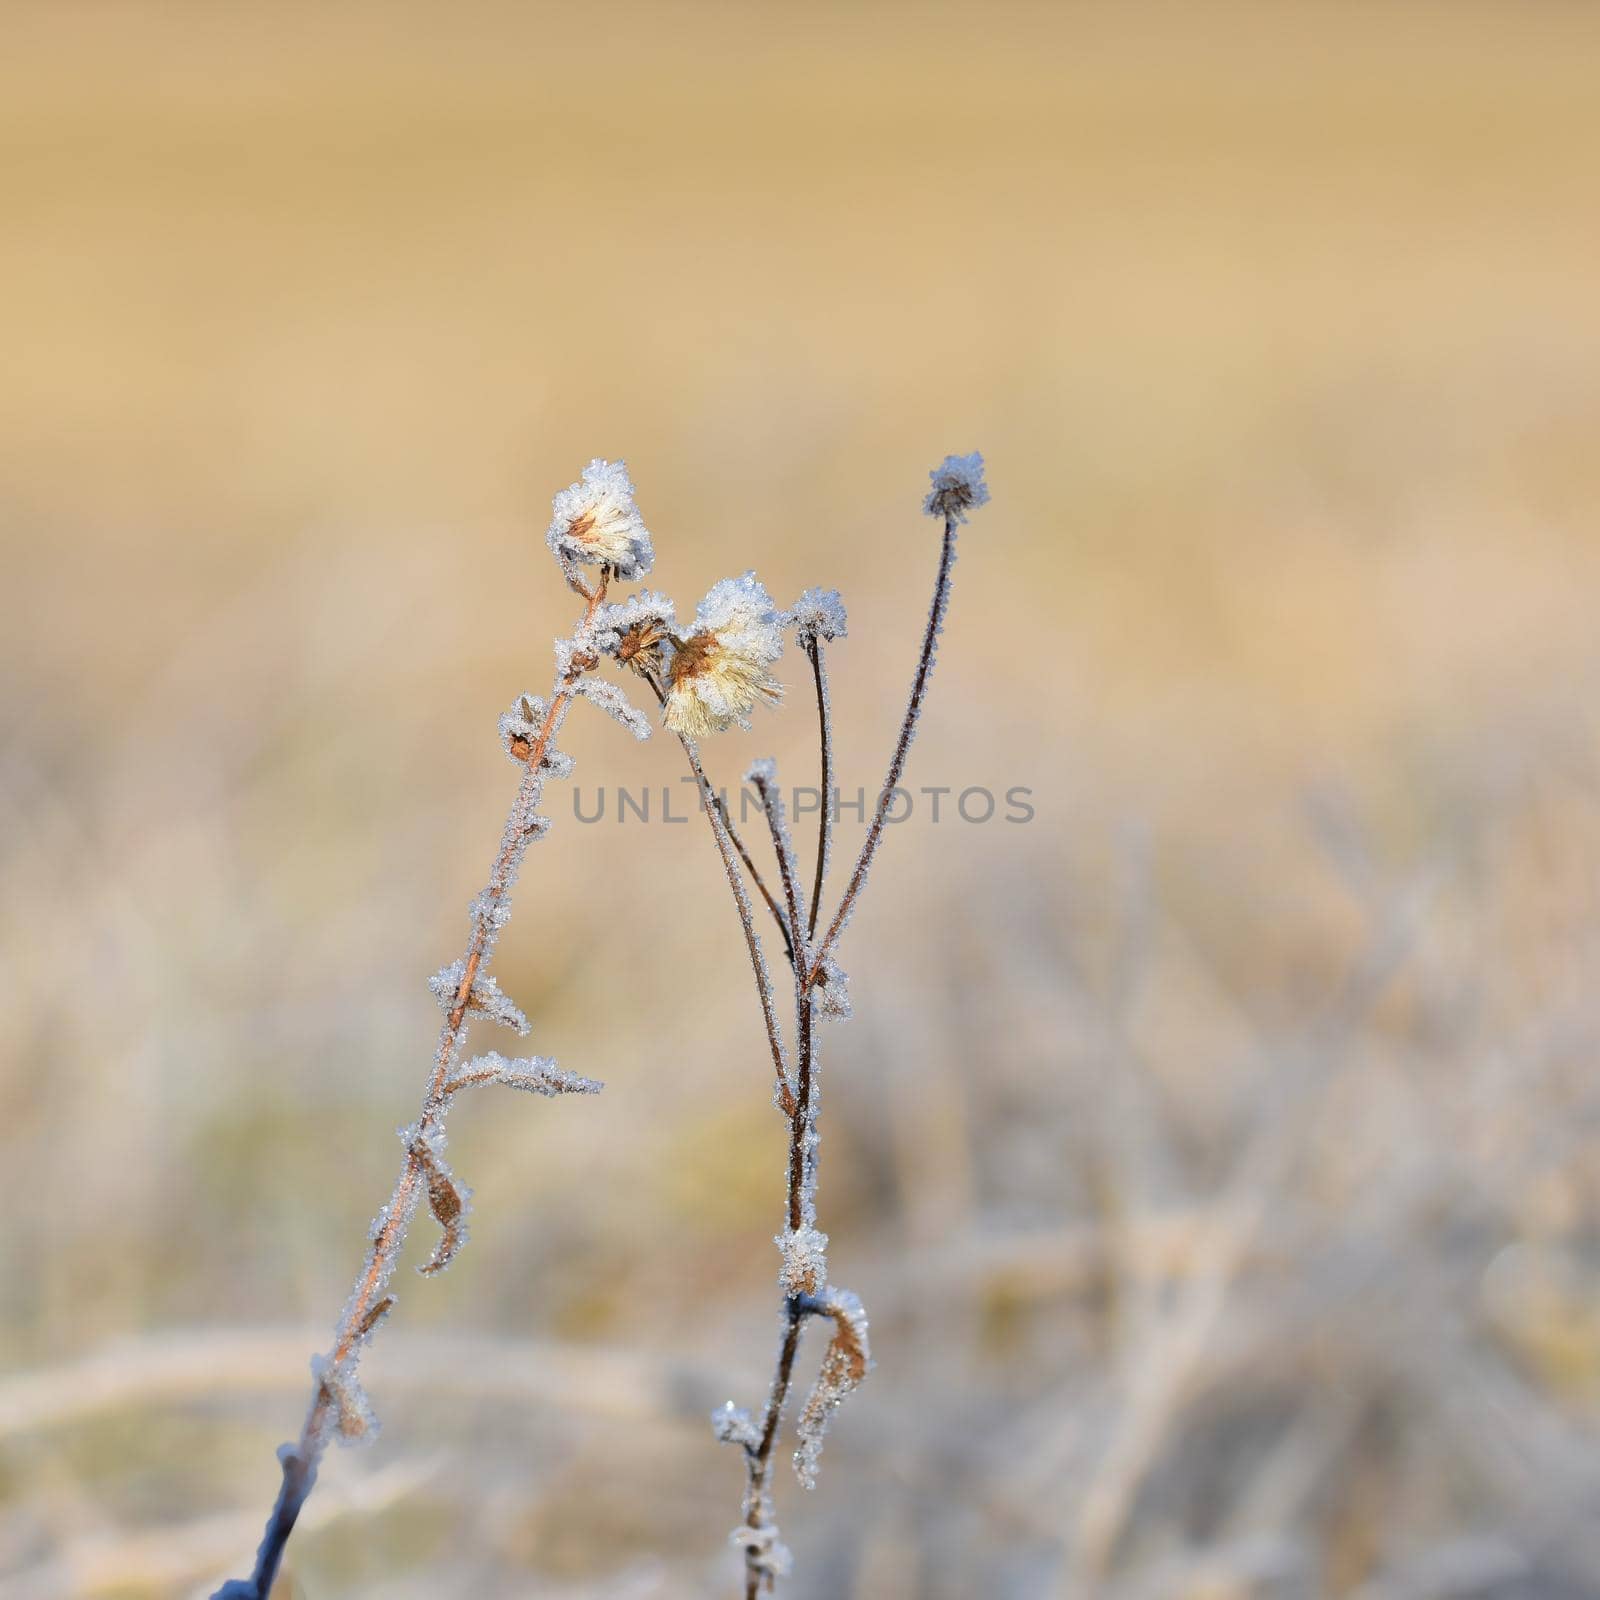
pixel 706 677
pixel 596 522
pixel 692 694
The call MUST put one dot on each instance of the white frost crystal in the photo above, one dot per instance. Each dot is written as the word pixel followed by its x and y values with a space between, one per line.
pixel 719 668
pixel 958 487
pixel 595 520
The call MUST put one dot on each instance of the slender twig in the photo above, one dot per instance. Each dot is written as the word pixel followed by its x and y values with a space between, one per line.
pixel 756 878
pixel 741 899
pixel 819 673
pixel 783 849
pixel 897 763
pixel 361 1313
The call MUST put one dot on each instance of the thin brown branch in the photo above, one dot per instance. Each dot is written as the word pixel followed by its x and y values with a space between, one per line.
pixel 902 748
pixel 756 878
pixel 783 849
pixel 741 900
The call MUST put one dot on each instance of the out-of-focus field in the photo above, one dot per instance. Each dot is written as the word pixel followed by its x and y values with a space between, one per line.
pixel 1218 1154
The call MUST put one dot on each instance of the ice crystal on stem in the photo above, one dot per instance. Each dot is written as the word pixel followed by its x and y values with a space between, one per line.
pixel 805 1260
pixel 484 998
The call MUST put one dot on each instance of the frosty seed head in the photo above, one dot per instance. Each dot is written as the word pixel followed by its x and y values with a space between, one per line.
pixel 817 614
pixel 635 631
pixel 719 669
pixel 596 521
pixel 958 488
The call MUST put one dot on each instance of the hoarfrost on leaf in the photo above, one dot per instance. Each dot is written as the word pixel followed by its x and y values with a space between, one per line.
pixel 484 999
pixel 614 703
pixel 596 520
pixel 351 1418
pixel 958 487
pixel 845 1363
pixel 817 614
pixel 448 1200
pixel 532 1074
pixel 719 671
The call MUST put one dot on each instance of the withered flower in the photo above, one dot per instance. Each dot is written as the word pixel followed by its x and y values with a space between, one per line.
pixel 719 669
pixel 596 521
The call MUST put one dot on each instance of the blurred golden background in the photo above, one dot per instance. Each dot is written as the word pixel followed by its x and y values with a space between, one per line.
pixel 1217 1153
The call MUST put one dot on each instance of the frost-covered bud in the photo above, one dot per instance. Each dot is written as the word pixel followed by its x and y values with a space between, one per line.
pixel 817 614
pixel 733 1425
pixel 719 669
pixel 958 487
pixel 519 727
pixel 805 1260
pixel 831 995
pixel 596 521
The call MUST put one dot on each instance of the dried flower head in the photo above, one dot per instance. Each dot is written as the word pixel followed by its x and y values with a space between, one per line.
pixel 817 614
pixel 718 671
pixel 636 631
pixel 958 487
pixel 596 521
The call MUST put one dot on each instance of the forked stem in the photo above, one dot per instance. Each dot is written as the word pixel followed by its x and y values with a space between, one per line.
pixel 902 748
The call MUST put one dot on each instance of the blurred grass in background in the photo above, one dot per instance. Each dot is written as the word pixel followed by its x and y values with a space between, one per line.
pixel 1217 1153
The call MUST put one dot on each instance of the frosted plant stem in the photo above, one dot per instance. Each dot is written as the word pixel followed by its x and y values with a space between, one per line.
pixel 788 868
pixel 800 1212
pixel 368 1304
pixel 897 763
pixel 757 880
pixel 741 899
pixel 825 826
